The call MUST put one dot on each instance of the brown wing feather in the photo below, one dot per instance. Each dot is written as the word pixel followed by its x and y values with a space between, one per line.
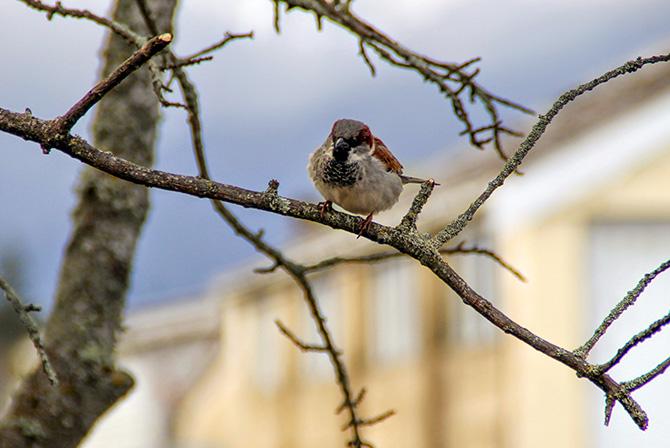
pixel 384 154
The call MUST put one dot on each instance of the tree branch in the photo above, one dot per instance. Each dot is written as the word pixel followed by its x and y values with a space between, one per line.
pixel 460 249
pixel 23 311
pixel 452 79
pixel 629 299
pixel 120 29
pixel 408 222
pixel 296 340
pixel 636 339
pixel 647 377
pixel 228 37
pixel 456 226
pixel 476 250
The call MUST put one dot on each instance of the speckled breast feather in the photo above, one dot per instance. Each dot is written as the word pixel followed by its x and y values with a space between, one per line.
pixel 341 174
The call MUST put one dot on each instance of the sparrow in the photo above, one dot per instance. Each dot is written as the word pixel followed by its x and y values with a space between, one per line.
pixel 356 170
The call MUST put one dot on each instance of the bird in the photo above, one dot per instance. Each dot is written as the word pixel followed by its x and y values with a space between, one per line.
pixel 355 170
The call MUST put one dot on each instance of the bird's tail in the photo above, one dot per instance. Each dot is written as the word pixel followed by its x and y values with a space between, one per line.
pixel 413 180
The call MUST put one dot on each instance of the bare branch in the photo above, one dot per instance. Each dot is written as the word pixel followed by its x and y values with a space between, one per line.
pixel 275 15
pixel 228 37
pixel 632 385
pixel 647 377
pixel 632 342
pixel 366 58
pixel 133 38
pixel 297 342
pixel 334 355
pixel 370 258
pixel 23 311
pixel 408 221
pixel 62 125
pixel 371 421
pixel 450 78
pixel 58 9
pixel 609 407
pixel 185 63
pixel 461 249
pixel 355 402
pixel 456 226
pixel 629 299
pixel 381 256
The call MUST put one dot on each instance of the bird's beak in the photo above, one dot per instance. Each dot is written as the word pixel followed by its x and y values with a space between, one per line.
pixel 341 149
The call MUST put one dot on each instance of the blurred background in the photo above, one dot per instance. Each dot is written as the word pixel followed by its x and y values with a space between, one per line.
pixel 587 220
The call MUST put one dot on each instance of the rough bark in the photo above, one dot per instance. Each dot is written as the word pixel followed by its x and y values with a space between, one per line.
pixel 82 331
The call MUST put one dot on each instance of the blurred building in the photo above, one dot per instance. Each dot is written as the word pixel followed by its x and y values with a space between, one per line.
pixel 589 216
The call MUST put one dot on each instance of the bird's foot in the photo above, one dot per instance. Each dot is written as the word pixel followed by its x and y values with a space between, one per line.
pixel 324 207
pixel 364 226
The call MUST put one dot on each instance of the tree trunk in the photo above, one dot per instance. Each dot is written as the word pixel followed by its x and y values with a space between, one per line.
pixel 82 331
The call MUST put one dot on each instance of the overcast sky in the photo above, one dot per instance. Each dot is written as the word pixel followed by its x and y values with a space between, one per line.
pixel 268 102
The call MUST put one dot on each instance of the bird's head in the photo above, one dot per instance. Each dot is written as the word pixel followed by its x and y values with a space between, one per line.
pixel 350 136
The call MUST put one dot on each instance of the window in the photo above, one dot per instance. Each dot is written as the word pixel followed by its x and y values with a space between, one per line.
pixel 267 372
pixel 394 311
pixel 315 365
pixel 465 326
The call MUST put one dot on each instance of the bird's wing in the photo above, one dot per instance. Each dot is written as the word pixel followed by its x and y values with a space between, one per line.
pixel 381 152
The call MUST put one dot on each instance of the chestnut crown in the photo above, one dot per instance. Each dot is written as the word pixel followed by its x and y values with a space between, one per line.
pixel 353 132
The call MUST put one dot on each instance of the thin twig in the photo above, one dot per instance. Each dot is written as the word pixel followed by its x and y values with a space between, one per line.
pixel 366 58
pixel 275 16
pixel 228 37
pixel 381 256
pixel 297 342
pixel 371 421
pixel 456 226
pixel 462 249
pixel 609 407
pixel 355 402
pixel 647 377
pixel 629 299
pixel 408 221
pixel 133 38
pixel 632 342
pixel 58 9
pixel 23 311
pixel 632 385
pixel 452 79
pixel 185 63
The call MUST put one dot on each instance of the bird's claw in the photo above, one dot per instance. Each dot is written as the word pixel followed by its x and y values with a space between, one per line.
pixel 325 207
pixel 364 225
